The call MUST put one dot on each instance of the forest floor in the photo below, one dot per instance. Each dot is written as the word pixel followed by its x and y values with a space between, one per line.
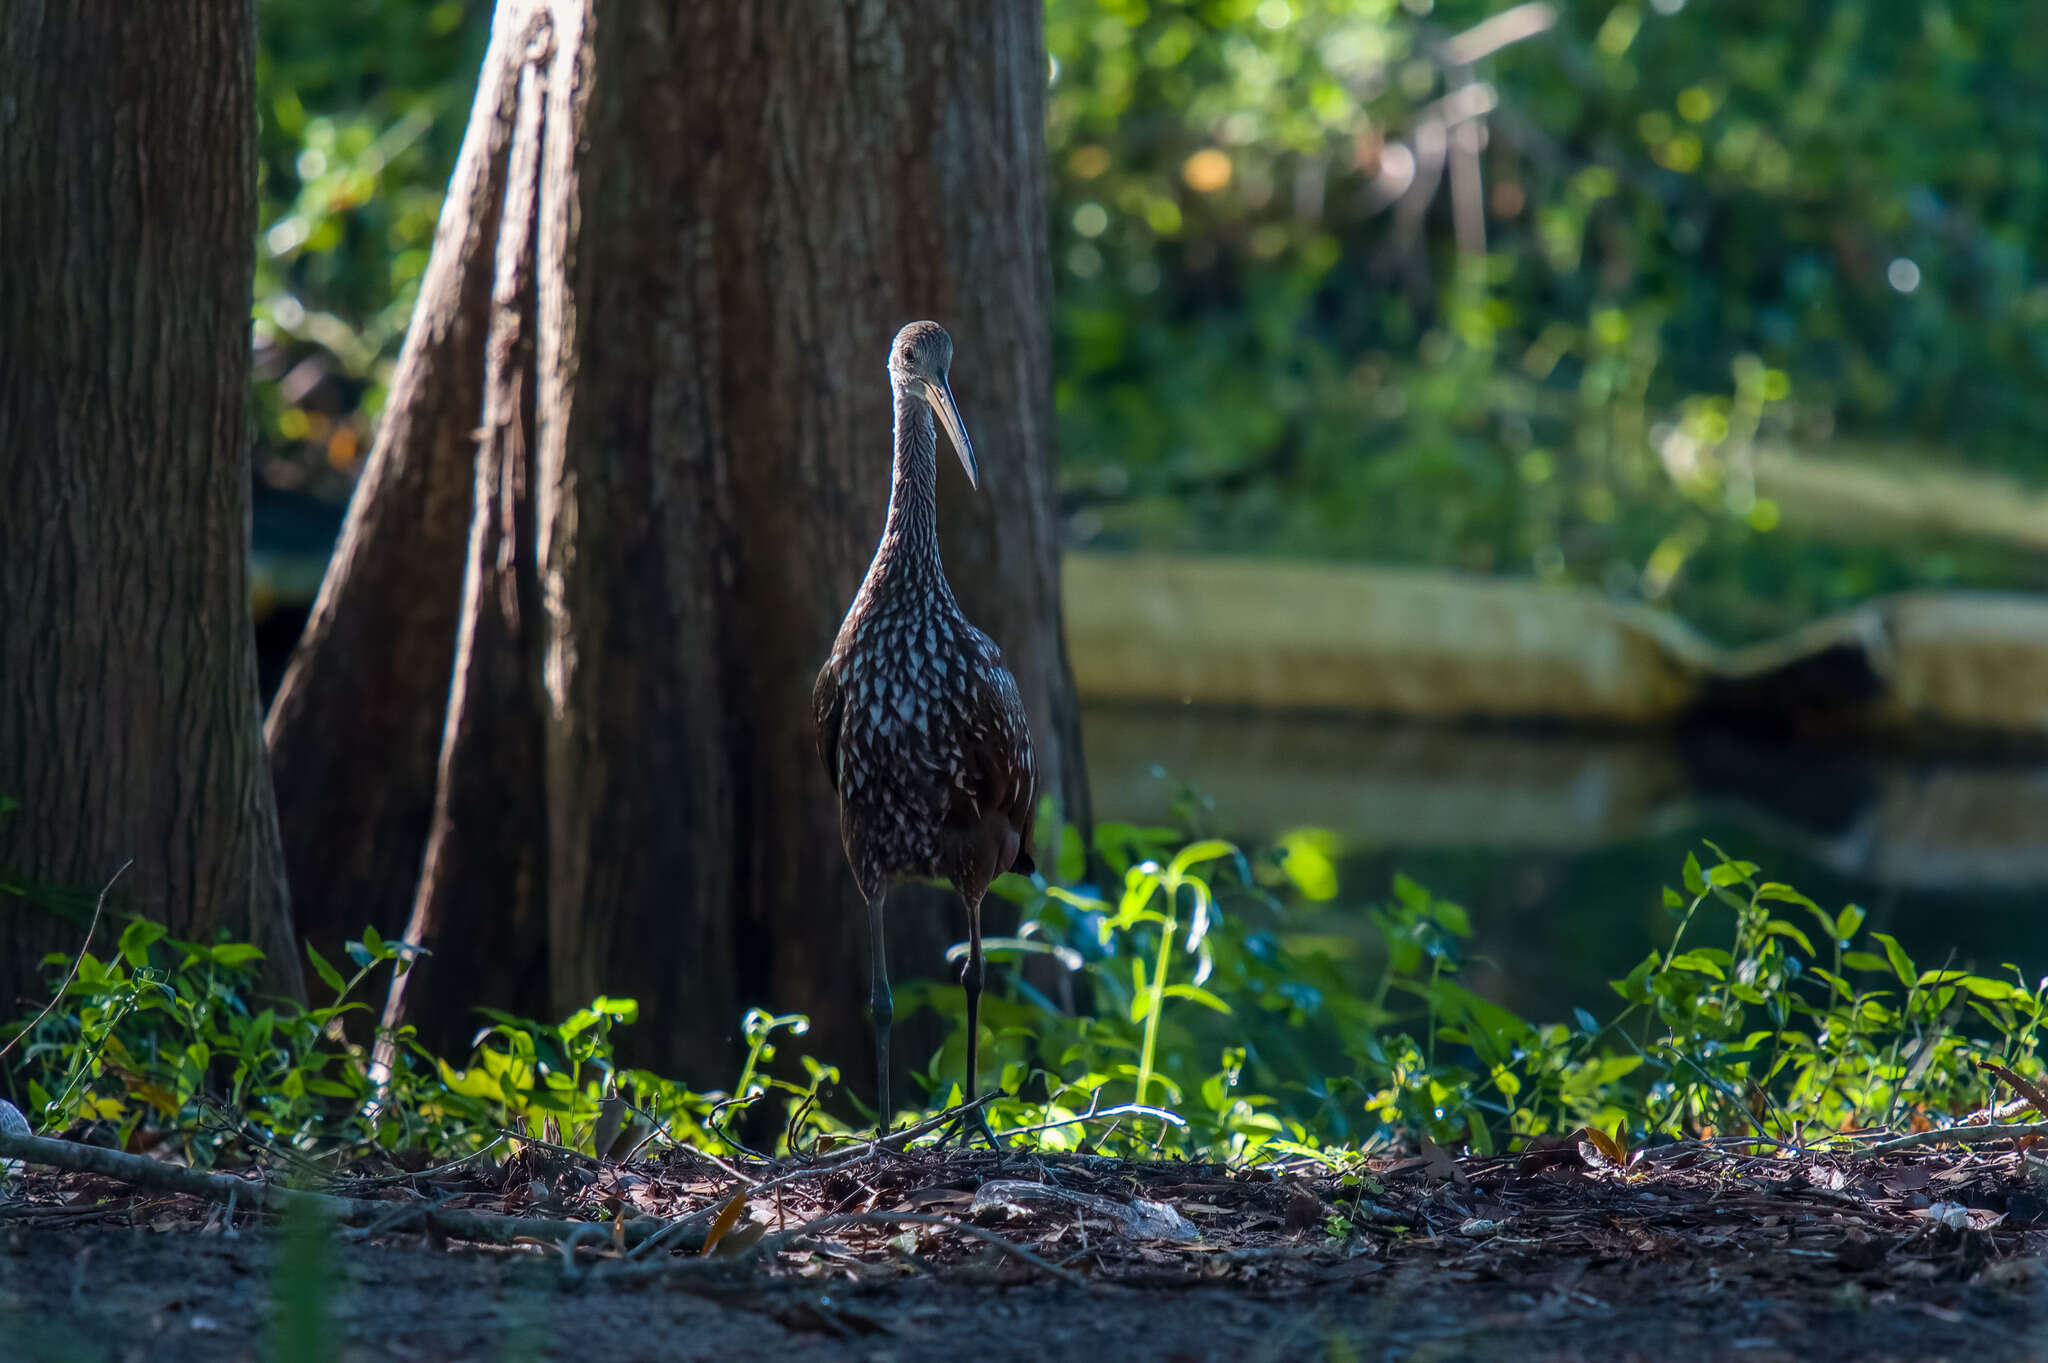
pixel 1688 1253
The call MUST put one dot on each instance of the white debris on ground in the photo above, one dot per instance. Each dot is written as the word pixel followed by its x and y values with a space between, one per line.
pixel 12 1123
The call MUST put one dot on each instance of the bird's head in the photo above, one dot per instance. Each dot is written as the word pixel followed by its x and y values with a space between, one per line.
pixel 918 362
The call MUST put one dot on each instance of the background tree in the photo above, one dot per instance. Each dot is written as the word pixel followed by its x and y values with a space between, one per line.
pixel 128 720
pixel 672 258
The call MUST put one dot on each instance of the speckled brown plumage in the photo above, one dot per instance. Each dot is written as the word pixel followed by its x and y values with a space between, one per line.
pixel 919 724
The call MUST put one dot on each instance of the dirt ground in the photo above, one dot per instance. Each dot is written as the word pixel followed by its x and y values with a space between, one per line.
pixel 1696 1255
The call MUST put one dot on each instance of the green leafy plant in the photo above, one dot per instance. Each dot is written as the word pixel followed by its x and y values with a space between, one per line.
pixel 1202 1015
pixel 170 1040
pixel 1283 1041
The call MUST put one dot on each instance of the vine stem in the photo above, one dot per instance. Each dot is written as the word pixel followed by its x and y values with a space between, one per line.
pixel 1156 988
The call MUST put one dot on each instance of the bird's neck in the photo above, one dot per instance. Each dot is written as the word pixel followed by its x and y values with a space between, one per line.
pixel 908 555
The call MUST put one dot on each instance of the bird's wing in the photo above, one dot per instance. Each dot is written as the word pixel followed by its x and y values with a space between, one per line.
pixel 998 770
pixel 1022 806
pixel 828 709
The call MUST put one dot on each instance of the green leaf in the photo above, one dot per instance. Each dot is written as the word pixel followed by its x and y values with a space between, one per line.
pixel 327 973
pixel 1863 960
pixel 1778 927
pixel 1900 961
pixel 235 953
pixel 1695 882
pixel 1308 858
pixel 1833 981
pixel 1700 961
pixel 1084 903
pixel 1197 994
pixel 136 939
pixel 1195 853
pixel 1784 894
pixel 1846 925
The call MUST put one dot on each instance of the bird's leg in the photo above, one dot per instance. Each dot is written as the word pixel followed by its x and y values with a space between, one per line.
pixel 884 1009
pixel 971 980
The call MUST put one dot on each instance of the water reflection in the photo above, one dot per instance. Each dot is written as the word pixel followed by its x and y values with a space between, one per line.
pixel 1559 841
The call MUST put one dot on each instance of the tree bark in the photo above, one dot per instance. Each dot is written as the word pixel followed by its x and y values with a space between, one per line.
pixel 484 878
pixel 737 205
pixel 354 731
pixel 128 711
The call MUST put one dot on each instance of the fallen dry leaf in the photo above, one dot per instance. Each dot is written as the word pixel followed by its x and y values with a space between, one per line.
pixel 728 1216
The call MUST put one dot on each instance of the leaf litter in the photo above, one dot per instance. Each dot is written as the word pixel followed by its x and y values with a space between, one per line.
pixel 1558 1238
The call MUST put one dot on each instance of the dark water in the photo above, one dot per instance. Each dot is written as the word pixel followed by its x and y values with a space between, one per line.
pixel 1559 843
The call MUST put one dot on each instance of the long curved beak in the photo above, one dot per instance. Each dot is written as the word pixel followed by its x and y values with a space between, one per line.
pixel 940 396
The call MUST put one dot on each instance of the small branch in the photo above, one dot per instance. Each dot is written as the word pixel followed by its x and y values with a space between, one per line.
pixel 1988 1134
pixel 897 1140
pixel 156 1176
pixel 679 1230
pixel 76 961
pixel 2019 1084
pixel 1108 1114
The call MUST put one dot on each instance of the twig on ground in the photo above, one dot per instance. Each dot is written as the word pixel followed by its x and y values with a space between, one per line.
pixel 2019 1084
pixel 1986 1134
pixel 76 961
pixel 695 1220
pixel 897 1140
pixel 141 1172
pixel 1108 1114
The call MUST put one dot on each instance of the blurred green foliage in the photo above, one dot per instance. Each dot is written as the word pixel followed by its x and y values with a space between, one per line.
pixel 1707 228
pixel 1334 280
pixel 362 109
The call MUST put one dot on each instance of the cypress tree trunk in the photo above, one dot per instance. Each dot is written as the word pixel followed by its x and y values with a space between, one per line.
pixel 128 712
pixel 685 433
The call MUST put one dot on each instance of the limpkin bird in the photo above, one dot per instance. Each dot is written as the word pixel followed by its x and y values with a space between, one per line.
pixel 919 723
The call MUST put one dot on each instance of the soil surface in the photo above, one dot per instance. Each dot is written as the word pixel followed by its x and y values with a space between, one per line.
pixel 1687 1253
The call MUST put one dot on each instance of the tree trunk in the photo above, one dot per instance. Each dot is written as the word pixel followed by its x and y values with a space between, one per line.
pixel 356 724
pixel 734 208
pixel 128 712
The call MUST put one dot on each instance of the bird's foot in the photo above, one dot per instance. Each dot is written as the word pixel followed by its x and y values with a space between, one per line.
pixel 969 1124
pixel 987 1133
